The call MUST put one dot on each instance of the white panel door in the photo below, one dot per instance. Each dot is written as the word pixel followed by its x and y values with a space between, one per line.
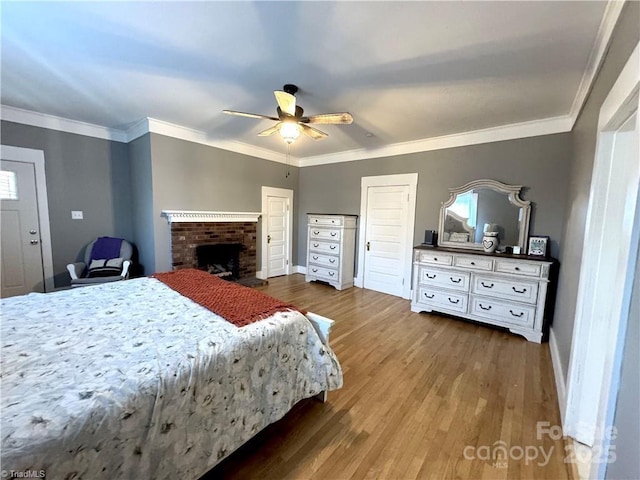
pixel 277 235
pixel 22 270
pixel 385 238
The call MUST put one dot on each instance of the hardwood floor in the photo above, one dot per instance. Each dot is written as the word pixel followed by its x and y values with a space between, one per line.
pixel 424 396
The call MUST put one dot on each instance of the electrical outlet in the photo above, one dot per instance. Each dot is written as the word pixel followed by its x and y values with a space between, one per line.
pixel 76 214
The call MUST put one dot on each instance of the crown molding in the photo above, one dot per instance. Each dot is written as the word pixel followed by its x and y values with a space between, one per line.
pixel 179 216
pixel 146 125
pixel 152 125
pixel 547 126
pixel 596 56
pixel 43 120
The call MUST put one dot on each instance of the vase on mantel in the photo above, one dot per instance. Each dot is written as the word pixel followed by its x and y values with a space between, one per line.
pixel 490 241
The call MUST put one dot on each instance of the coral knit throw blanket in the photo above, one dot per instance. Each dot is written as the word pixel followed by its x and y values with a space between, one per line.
pixel 235 303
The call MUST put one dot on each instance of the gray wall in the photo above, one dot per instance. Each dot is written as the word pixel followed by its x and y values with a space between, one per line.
pixel 627 420
pixel 83 173
pixel 584 137
pixel 191 176
pixel 142 202
pixel 540 164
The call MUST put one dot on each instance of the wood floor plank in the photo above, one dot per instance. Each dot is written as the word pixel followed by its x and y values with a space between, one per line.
pixel 425 396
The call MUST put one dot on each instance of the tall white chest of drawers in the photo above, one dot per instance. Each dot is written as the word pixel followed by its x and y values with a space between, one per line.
pixel 331 249
pixel 506 291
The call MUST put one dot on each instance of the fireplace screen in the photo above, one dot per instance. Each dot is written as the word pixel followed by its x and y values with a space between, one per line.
pixel 222 259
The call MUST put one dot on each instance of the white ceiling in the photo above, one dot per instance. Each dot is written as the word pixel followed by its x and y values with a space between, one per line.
pixel 406 71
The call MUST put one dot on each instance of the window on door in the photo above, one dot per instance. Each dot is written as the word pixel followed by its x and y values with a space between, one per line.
pixel 8 185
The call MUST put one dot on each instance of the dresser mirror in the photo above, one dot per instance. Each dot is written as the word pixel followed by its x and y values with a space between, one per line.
pixel 484 206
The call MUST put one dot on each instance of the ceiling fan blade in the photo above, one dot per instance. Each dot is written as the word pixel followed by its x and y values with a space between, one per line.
pixel 344 118
pixel 312 132
pixel 250 115
pixel 270 131
pixel 286 102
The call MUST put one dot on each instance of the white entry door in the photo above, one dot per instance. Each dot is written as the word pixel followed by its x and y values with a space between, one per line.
pixel 277 216
pixel 386 238
pixel 22 270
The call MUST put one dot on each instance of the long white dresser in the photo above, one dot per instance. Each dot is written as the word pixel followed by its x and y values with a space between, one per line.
pixel 504 290
pixel 331 249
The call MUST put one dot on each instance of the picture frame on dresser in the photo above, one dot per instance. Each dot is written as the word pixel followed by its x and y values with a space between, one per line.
pixel 538 246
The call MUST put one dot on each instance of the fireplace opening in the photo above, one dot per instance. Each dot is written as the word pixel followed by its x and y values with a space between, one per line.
pixel 220 259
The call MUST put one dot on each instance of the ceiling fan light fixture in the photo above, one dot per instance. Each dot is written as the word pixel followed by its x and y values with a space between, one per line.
pixel 289 132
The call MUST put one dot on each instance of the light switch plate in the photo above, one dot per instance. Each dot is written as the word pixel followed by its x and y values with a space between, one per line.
pixel 76 214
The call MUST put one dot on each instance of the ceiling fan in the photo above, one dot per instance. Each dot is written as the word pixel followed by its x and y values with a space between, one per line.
pixel 291 120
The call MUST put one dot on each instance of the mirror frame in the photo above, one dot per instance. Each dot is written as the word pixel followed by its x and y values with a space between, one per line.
pixel 513 192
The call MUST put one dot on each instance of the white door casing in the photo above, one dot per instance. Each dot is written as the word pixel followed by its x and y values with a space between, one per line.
pixel 606 272
pixel 277 232
pixel 35 159
pixel 392 230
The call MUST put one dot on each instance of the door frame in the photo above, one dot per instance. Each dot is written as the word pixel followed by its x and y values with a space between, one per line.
pixel 36 158
pixel 264 265
pixel 409 179
pixel 598 339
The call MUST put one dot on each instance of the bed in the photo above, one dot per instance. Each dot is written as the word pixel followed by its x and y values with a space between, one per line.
pixel 134 380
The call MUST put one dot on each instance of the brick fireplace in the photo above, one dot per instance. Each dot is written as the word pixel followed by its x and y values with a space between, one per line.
pixel 191 229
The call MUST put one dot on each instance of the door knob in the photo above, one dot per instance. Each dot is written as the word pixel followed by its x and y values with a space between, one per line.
pixel 268 238
pixel 34 242
pixel 368 246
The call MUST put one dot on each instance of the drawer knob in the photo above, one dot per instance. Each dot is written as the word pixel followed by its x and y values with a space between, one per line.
pixel 457 300
pixel 429 276
pixel 333 234
pixel 516 314
pixel 435 259
pixel 332 260
pixel 316 245
pixel 332 273
pixel 332 247
pixel 315 232
pixel 486 285
pixel 455 281
pixel 315 257
pixel 517 269
pixel 518 291
pixel 483 307
pixel 473 263
pixel 314 270
pixel 429 296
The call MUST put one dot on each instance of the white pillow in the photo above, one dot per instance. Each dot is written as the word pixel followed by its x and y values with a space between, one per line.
pixel 106 268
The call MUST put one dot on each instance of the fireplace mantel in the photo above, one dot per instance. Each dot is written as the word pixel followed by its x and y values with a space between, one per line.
pixel 176 216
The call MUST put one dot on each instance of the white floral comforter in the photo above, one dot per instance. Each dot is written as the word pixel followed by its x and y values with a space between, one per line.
pixel 133 380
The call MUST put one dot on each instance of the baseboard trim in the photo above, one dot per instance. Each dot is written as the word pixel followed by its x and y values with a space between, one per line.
pixel 561 385
pixel 300 269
